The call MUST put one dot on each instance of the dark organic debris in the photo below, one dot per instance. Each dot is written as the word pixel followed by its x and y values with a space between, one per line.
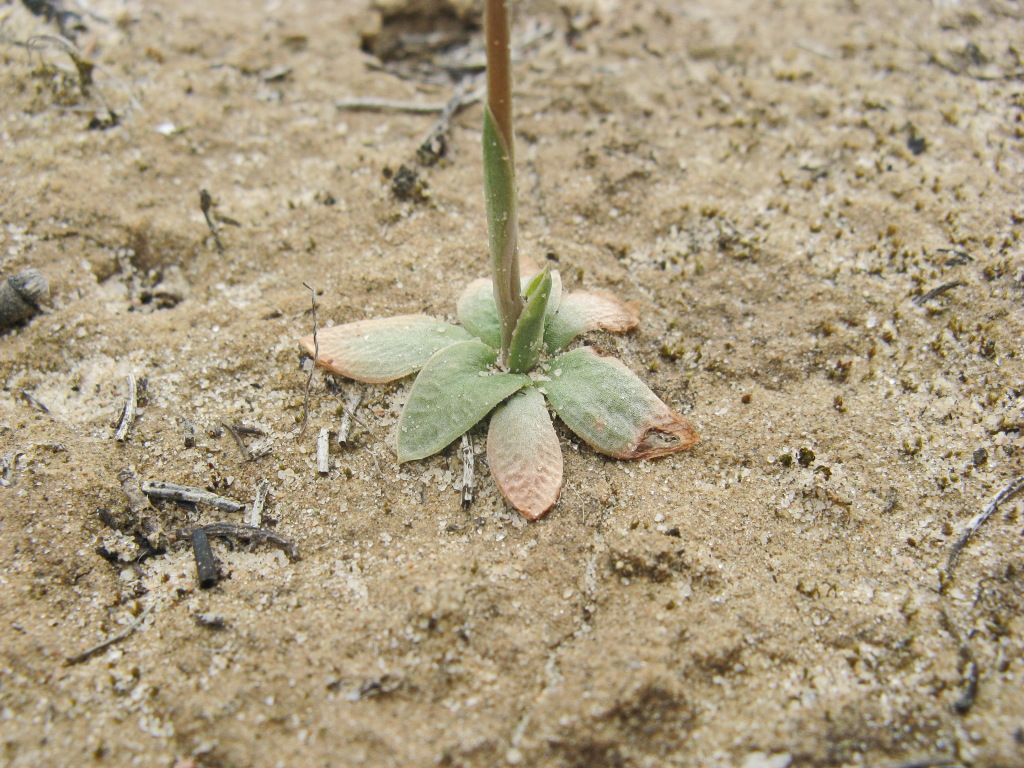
pixel 206 565
pixel 69 22
pixel 919 300
pixel 21 296
pixel 248 533
pixel 408 185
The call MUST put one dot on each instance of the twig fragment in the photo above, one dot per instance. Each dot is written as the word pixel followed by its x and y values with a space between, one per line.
pixel 1015 487
pixel 468 481
pixel 141 519
pixel 919 300
pixel 188 494
pixel 323 451
pixel 138 504
pixel 130 410
pixel 312 368
pixel 78 658
pixel 254 515
pixel 246 453
pixel 435 144
pixel 347 415
pixel 966 699
pixel 206 565
pixel 250 533
pixel 31 400
pixel 248 429
pixel 205 203
pixel 389 105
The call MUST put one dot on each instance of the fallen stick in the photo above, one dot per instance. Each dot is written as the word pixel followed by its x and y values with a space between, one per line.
pixel 249 533
pixel 390 105
pixel 173 492
pixel 1015 487
pixel 246 453
pixel 78 658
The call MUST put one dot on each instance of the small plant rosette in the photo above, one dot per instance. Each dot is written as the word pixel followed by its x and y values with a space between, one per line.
pixel 461 381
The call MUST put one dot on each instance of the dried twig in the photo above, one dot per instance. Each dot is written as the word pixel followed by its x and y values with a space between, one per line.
pixel 971 679
pixel 31 400
pixel 468 481
pixel 252 534
pixel 246 453
pixel 435 144
pixel 919 300
pixel 248 429
pixel 1015 487
pixel 141 518
pixel 138 504
pixel 174 492
pixel 966 699
pixel 348 413
pixel 312 368
pixel 390 105
pixel 205 203
pixel 254 516
pixel 78 658
pixel 323 451
pixel 130 410
pixel 376 463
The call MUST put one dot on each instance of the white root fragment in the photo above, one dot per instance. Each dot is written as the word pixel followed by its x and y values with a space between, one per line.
pixel 254 515
pixel 468 479
pixel 130 410
pixel 323 455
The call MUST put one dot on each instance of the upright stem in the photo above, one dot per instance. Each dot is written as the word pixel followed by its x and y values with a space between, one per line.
pixel 499 171
pixel 499 67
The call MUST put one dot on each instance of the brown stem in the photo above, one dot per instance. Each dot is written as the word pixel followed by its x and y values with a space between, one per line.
pixel 499 178
pixel 499 66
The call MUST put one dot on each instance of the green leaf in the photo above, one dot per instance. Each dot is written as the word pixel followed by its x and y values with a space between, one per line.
pixel 502 226
pixel 581 312
pixel 607 405
pixel 528 338
pixel 478 312
pixel 524 455
pixel 456 388
pixel 556 295
pixel 375 351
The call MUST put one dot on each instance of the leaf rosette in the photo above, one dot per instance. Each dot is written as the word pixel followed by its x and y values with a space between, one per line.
pixel 460 382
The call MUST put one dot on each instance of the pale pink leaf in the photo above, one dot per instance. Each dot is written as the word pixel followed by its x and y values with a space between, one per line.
pixel 524 454
pixel 584 311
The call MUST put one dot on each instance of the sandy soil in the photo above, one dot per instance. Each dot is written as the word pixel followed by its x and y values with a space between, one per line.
pixel 780 188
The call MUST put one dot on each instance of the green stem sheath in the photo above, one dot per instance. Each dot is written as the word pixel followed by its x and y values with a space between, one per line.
pixel 499 171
